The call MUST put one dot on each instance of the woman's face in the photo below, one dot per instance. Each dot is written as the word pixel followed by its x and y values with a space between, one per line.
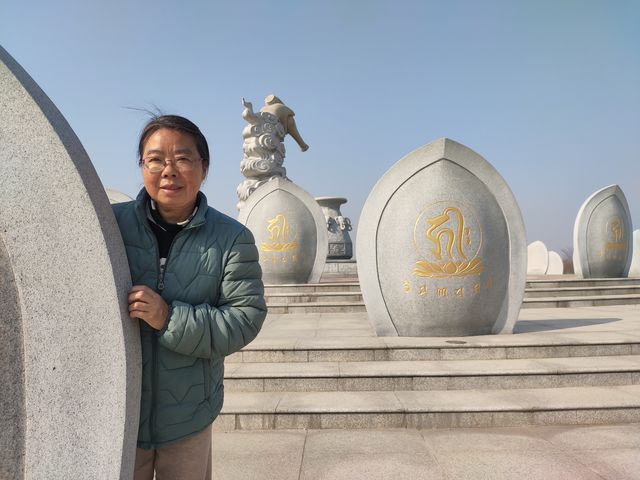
pixel 175 188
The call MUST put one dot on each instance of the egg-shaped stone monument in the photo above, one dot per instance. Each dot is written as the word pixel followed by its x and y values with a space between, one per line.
pixel 556 265
pixel 290 232
pixel 602 235
pixel 537 258
pixel 441 246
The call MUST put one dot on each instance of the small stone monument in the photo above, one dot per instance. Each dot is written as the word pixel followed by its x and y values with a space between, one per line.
pixel 441 246
pixel 556 265
pixel 602 235
pixel 338 227
pixel 537 258
pixel 634 270
pixel 70 355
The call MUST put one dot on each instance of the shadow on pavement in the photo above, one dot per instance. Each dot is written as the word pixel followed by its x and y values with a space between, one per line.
pixel 529 326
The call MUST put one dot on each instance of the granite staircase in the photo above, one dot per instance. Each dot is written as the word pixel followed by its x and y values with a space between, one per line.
pixel 345 295
pixel 535 377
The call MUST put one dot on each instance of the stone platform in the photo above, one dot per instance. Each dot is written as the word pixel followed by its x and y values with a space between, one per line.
pixel 340 268
pixel 603 452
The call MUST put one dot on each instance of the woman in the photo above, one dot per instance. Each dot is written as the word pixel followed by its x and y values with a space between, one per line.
pixel 198 295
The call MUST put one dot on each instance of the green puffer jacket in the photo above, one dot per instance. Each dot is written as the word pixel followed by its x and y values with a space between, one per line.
pixel 212 284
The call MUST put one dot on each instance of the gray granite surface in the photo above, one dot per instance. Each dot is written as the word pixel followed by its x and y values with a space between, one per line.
pixel 12 405
pixel 65 278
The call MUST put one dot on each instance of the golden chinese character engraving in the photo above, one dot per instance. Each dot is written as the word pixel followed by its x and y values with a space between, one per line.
pixel 616 246
pixel 444 237
pixel 442 292
pixel 281 236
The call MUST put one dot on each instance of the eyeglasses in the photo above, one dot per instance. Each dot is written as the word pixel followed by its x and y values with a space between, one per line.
pixel 157 165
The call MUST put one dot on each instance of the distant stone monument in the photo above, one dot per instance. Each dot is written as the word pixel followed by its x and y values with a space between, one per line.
pixel 602 235
pixel 537 258
pixel 69 355
pixel 556 265
pixel 338 227
pixel 441 246
pixel 634 269
pixel 116 196
pixel 263 146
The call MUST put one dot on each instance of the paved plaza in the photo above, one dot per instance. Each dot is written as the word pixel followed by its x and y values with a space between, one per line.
pixel 545 453
pixel 571 452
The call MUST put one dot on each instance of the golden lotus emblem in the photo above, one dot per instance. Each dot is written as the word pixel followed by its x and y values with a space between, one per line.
pixel 448 237
pixel 281 235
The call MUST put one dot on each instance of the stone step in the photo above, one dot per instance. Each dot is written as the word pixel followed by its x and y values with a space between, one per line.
pixel 312 287
pixel 537 281
pixel 613 285
pixel 582 291
pixel 581 301
pixel 430 409
pixel 340 296
pixel 352 285
pixel 495 347
pixel 555 282
pixel 319 305
pixel 560 294
pixel 432 375
pixel 313 297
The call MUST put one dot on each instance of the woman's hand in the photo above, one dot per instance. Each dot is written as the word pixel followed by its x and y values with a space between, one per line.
pixel 148 306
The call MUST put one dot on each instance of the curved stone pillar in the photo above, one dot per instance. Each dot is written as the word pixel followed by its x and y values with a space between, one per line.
pixel 71 349
pixel 441 246
pixel 290 232
pixel 602 235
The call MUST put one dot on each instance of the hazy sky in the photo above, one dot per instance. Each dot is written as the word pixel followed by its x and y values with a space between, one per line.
pixel 548 91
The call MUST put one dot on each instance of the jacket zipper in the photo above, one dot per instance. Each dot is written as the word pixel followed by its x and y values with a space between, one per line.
pixel 162 268
pixel 154 359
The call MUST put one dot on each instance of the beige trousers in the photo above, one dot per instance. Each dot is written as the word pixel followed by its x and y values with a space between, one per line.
pixel 188 459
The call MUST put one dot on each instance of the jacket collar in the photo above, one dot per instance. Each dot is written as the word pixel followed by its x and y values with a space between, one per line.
pixel 199 218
